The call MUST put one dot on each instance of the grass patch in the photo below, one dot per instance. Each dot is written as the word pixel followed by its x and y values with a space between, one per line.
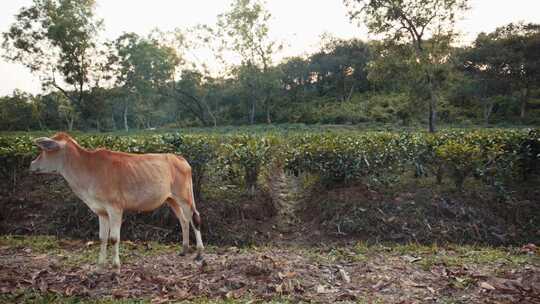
pixel 461 255
pixel 277 300
pixel 38 298
pixel 74 253
pixel 77 253
pixel 37 244
pixel 490 256
pixel 427 256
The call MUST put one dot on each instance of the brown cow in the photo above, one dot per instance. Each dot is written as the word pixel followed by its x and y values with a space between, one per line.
pixel 111 182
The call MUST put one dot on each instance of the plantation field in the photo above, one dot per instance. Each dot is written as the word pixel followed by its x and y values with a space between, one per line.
pixel 292 213
pixel 334 155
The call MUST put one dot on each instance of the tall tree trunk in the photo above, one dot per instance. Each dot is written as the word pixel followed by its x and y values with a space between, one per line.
pixel 523 106
pixel 113 121
pixel 268 116
pixel 432 111
pixel 209 110
pixel 252 112
pixel 432 118
pixel 212 116
pixel 350 94
pixel 70 123
pixel 488 109
pixel 344 96
pixel 126 127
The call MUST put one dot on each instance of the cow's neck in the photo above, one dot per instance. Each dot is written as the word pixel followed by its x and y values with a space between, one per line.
pixel 75 170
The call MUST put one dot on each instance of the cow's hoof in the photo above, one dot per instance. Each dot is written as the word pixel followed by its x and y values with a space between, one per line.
pixel 200 261
pixel 100 267
pixel 185 251
pixel 116 267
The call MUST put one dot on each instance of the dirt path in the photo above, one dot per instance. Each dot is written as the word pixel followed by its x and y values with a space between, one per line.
pixel 400 274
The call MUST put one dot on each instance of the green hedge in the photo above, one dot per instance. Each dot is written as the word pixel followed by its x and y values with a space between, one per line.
pixel 495 156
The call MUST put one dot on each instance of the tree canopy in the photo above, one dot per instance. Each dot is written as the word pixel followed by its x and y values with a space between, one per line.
pixel 170 79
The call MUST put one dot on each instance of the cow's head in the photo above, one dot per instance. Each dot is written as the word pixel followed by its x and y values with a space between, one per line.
pixel 52 155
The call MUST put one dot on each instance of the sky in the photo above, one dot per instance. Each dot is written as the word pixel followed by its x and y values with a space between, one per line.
pixel 297 23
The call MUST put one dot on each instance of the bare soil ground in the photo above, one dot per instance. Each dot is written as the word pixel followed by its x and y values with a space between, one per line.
pixel 323 258
pixel 46 269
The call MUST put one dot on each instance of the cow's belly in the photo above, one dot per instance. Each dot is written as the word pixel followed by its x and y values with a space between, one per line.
pixel 135 201
pixel 145 199
pixel 145 206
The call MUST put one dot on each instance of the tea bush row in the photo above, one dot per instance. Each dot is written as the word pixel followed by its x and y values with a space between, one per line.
pixel 494 156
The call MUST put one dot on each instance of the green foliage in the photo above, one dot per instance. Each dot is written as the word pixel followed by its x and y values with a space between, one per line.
pixel 246 25
pixel 144 68
pixel 249 154
pixel 244 29
pixel 339 159
pixel 17 113
pixel 15 155
pixel 325 111
pixel 198 150
pixel 460 159
pixel 159 80
pixel 424 30
pixel 407 20
pixel 57 37
pixel 494 156
pixel 507 59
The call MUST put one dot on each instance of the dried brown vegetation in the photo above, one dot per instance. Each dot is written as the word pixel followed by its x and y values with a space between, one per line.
pixel 354 272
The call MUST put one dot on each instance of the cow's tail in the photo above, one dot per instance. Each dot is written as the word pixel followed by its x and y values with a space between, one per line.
pixel 196 217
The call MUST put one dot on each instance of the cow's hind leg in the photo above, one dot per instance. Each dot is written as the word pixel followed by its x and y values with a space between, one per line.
pixel 197 228
pixel 195 220
pixel 184 223
pixel 103 237
pixel 115 222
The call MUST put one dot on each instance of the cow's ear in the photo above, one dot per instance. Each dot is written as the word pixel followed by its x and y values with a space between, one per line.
pixel 47 144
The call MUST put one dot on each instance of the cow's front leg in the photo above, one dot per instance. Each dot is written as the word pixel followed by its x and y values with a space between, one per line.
pixel 115 222
pixel 103 237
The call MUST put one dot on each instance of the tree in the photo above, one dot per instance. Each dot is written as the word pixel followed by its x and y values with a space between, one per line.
pixel 145 68
pixel 67 111
pixel 509 55
pixel 340 67
pixel 295 78
pixel 480 82
pixel 412 22
pixel 245 31
pixel 56 37
pixel 16 112
pixel 255 85
pixel 192 91
pixel 48 111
